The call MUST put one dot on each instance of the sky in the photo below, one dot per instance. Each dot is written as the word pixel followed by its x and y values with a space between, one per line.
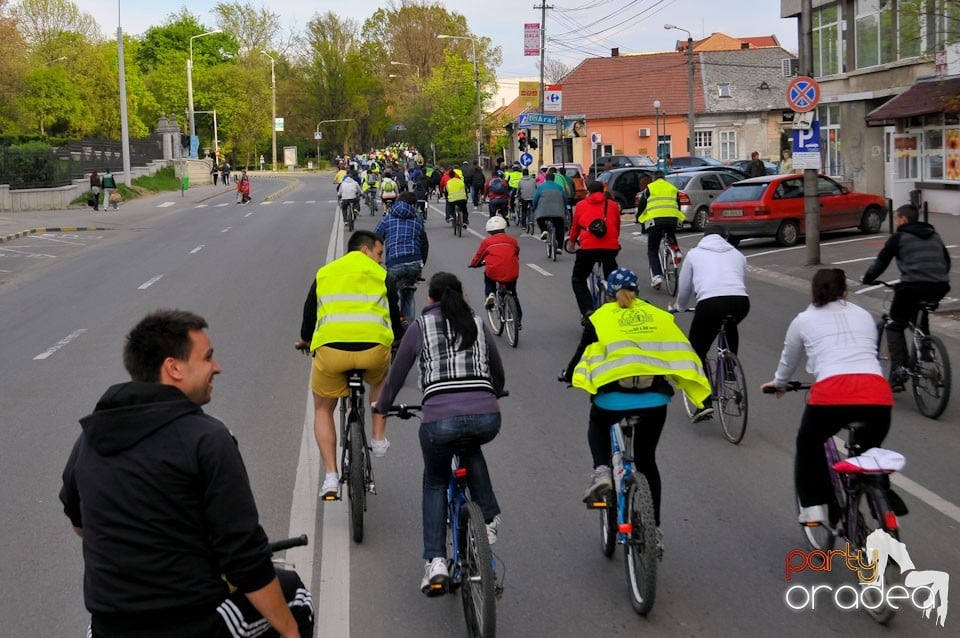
pixel 576 29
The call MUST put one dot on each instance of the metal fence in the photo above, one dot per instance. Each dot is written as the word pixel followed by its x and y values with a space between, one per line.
pixel 61 165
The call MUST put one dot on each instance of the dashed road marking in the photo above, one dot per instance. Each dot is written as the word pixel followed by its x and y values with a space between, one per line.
pixel 226 230
pixel 149 283
pixel 166 204
pixel 201 206
pixel 222 204
pixel 197 249
pixel 66 340
pixel 540 270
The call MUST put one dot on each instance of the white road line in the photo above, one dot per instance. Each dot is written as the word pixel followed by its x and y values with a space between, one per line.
pixel 289 202
pixel 540 270
pixel 799 246
pixel 851 261
pixel 265 203
pixel 166 204
pixel 147 284
pixel 474 233
pixel 27 253
pixel 303 510
pixel 226 230
pixel 311 201
pixel 869 288
pixel 222 204
pixel 248 214
pixel 200 206
pixel 58 240
pixel 66 340
pixel 197 249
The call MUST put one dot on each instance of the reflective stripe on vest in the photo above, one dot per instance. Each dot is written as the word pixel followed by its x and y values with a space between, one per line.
pixel 352 304
pixel 662 201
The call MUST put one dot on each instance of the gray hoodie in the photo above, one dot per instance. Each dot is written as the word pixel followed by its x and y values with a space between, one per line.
pixel 713 269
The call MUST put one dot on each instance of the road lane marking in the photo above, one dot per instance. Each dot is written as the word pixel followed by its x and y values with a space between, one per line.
pixel 66 340
pixel 311 201
pixel 289 202
pixel 541 270
pixel 869 288
pixel 226 230
pixel 851 261
pixel 60 241
pixel 303 511
pixel 248 214
pixel 147 284
pixel 799 246
pixel 197 249
pixel 201 206
pixel 265 203
pixel 166 204
pixel 221 205
pixel 27 253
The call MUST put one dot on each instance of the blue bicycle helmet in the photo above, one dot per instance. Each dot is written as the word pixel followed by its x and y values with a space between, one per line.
pixel 621 278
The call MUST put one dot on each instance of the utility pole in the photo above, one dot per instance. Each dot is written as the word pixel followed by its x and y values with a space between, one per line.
pixel 543 51
pixel 811 199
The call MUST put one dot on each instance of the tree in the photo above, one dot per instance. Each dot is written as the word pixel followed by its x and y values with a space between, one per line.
pixel 42 21
pixel 254 29
pixel 554 71
pixel 50 99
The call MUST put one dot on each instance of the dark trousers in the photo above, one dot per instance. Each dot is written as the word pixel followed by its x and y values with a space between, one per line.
pixel 452 206
pixel 558 230
pixel 709 317
pixel 582 265
pixel 820 422
pixel 658 228
pixel 498 207
pixel 490 287
pixel 903 310
pixel 235 617
pixel 645 439
pixel 526 209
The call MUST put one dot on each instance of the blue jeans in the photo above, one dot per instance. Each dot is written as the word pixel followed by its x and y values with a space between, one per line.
pixel 405 276
pixel 437 442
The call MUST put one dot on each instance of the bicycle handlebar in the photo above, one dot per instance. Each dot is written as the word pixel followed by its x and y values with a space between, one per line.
pixel 405 411
pixel 287 543
pixel 792 386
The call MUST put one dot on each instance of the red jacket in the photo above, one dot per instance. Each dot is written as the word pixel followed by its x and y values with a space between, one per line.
pixel 501 253
pixel 590 209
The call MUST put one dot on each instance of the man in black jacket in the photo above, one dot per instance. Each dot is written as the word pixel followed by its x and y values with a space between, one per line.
pixel 924 265
pixel 159 493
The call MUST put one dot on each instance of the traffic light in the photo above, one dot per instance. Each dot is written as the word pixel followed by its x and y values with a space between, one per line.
pixel 522 140
pixel 533 143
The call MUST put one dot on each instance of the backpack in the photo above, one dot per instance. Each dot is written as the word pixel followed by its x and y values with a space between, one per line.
pixel 388 186
pixel 498 186
pixel 371 178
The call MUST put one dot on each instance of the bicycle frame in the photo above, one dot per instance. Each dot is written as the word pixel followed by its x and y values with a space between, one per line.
pixel 618 443
pixel 596 285
pixel 352 412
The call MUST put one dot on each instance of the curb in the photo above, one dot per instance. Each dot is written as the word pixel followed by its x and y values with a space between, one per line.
pixel 283 191
pixel 51 229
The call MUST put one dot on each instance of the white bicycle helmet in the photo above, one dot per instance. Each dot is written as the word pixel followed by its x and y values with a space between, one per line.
pixel 496 223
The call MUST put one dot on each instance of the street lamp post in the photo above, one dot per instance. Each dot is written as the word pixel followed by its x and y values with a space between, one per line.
pixel 193 128
pixel 476 79
pixel 273 123
pixel 317 136
pixel 690 114
pixel 415 66
pixel 656 129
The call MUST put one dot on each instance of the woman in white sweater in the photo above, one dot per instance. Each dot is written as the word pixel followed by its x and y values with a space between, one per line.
pixel 839 341
pixel 714 273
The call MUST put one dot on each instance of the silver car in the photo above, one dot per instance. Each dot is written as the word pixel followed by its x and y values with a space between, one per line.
pixel 697 190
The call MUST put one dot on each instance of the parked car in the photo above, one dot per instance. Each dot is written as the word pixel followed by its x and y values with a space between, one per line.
pixel 575 173
pixel 626 183
pixel 697 190
pixel 618 161
pixel 723 168
pixel 686 162
pixel 773 206
pixel 771 167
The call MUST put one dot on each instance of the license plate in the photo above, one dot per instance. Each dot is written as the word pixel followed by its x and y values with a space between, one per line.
pixel 732 212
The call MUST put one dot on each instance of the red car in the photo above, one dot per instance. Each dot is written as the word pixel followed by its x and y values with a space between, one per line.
pixel 773 206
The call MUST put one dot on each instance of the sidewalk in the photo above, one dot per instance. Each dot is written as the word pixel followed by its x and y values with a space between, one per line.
pixel 14 225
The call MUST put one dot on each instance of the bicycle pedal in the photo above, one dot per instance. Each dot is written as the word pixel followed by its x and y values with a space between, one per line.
pixel 330 497
pixel 372 489
pixel 596 505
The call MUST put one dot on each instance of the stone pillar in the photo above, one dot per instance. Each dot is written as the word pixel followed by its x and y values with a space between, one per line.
pixel 163 130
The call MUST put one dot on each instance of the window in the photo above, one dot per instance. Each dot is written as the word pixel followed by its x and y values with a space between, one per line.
pixel 933 153
pixel 728 146
pixel 875 35
pixel 826 40
pixel 829 117
pixel 906 154
pixel 711 183
pixel 606 149
pixel 939 152
pixel 703 143
pixel 664 146
pixel 723 89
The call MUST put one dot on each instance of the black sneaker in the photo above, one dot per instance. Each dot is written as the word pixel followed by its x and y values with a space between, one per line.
pixel 896 503
pixel 702 414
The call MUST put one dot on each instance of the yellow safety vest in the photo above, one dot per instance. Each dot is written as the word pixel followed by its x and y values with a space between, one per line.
pixel 339 176
pixel 456 190
pixel 513 178
pixel 352 302
pixel 662 202
pixel 641 340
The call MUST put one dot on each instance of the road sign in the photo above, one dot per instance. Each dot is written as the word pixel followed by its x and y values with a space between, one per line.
pixel 278 124
pixel 803 94
pixel 806 147
pixel 318 135
pixel 526 159
pixel 595 138
pixel 526 120
pixel 553 98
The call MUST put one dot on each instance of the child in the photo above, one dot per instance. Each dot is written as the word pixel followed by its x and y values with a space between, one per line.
pixel 500 254
pixel 243 188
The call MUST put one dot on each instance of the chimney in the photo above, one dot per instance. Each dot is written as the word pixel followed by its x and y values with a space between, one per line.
pixel 615 52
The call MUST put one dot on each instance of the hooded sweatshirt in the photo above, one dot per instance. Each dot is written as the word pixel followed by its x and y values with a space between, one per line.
pixel 164 501
pixel 404 237
pixel 920 253
pixel 713 269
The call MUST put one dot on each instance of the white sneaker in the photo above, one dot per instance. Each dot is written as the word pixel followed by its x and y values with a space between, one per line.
pixel 435 577
pixel 330 487
pixel 814 515
pixel 544 235
pixel 490 302
pixel 601 484
pixel 379 448
pixel 492 528
pixel 656 282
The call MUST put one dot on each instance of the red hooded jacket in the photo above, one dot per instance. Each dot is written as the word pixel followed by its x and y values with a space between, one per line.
pixel 501 253
pixel 587 211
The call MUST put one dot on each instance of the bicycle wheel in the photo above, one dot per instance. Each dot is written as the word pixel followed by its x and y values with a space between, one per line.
pixel 510 321
pixel 687 403
pixel 495 318
pixel 556 249
pixel 871 510
pixel 818 536
pixel 477 588
pixel 641 546
pixel 669 266
pixel 882 353
pixel 931 377
pixel 356 482
pixel 732 399
pixel 608 526
pixel 457 224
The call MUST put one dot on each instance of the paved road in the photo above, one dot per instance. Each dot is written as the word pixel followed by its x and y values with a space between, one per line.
pixel 727 514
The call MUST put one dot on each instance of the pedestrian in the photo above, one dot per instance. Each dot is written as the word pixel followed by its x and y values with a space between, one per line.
pixel 477 180
pixel 243 188
pixel 109 188
pixel 95 189
pixel 214 172
pixel 756 168
pixel 157 490
pixel 786 164
pixel 225 173
pixel 262 162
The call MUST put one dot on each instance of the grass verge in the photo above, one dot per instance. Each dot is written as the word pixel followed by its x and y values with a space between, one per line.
pixel 163 180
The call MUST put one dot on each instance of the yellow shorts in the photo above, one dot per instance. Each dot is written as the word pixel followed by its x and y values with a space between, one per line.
pixel 328 379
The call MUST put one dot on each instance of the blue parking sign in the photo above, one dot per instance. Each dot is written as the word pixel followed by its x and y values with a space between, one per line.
pixel 807 141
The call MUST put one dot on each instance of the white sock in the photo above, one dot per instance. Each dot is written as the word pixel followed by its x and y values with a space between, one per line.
pixel 331 476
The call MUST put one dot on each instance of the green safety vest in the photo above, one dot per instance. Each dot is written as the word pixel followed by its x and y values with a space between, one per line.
pixel 352 302
pixel 662 202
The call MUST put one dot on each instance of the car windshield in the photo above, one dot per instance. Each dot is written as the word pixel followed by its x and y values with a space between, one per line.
pixel 680 181
pixel 739 192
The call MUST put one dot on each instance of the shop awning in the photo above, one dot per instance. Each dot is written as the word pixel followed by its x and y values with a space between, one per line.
pixel 936 96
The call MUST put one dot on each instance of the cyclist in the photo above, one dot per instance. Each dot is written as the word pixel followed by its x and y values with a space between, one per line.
pixel 660 204
pixel 157 490
pixel 350 319
pixel 513 177
pixel 497 193
pixel 477 180
pixel 500 255
pixel 550 202
pixel 526 190
pixel 461 375
pixel 348 192
pixel 594 246
pixel 405 248
pixel 839 339
pixel 628 354
pixel 456 196
pixel 714 272
pixel 924 265
pixel 388 191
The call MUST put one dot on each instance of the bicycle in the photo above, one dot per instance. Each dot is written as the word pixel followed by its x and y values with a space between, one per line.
pixel 627 518
pixel 457 222
pixel 864 505
pixel 670 257
pixel 928 367
pixel 370 197
pixel 552 247
pixel 503 314
pixel 356 468
pixel 350 209
pixel 597 286
pixel 422 208
pixel 473 566
pixel 728 388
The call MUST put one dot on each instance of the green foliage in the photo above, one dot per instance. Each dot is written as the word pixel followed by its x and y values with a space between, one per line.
pixel 163 180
